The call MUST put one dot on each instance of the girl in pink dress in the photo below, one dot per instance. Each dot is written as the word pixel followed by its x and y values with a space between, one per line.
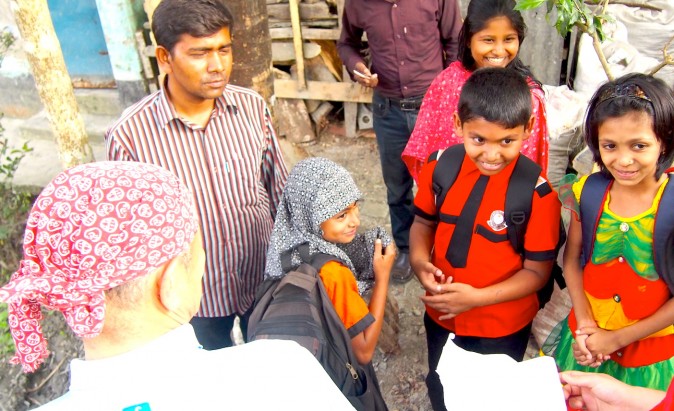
pixel 490 37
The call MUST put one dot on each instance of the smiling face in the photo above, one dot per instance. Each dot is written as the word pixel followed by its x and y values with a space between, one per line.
pixel 496 45
pixel 489 145
pixel 629 148
pixel 342 227
pixel 198 68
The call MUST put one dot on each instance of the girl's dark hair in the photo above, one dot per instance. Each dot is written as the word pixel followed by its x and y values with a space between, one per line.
pixel 633 93
pixel 479 13
pixel 198 18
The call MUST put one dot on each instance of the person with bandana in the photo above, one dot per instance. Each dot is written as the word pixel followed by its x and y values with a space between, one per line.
pixel 116 248
pixel 320 208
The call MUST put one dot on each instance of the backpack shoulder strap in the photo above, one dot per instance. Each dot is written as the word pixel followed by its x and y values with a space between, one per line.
pixel 592 199
pixel 318 260
pixel 519 197
pixel 446 171
pixel 306 274
pixel 663 236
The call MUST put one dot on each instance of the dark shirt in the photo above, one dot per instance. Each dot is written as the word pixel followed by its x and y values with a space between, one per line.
pixel 410 41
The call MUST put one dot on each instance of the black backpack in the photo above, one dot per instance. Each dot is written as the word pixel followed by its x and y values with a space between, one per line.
pixel 519 195
pixel 592 199
pixel 296 307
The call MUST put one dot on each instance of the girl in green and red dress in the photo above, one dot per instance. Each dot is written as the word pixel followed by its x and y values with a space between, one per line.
pixel 623 311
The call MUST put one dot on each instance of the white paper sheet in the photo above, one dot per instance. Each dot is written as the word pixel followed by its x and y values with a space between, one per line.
pixel 474 382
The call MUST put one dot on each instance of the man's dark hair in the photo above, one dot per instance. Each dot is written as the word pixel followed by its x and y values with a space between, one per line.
pixel 198 18
pixel 478 15
pixel 497 95
pixel 633 93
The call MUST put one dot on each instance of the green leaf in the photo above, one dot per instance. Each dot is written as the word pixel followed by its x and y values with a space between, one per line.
pixel 587 15
pixel 598 25
pixel 528 4
pixel 562 24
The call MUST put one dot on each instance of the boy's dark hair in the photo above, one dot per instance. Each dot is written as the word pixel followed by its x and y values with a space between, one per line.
pixel 479 13
pixel 498 95
pixel 633 93
pixel 198 18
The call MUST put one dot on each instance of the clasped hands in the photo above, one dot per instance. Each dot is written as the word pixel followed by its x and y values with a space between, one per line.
pixel 593 345
pixel 446 296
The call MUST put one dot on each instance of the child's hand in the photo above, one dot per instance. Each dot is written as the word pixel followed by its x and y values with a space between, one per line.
pixel 383 260
pixel 580 352
pixel 453 299
pixel 600 341
pixel 430 277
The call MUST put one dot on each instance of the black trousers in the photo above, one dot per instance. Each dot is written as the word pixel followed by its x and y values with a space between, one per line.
pixel 514 345
pixel 216 332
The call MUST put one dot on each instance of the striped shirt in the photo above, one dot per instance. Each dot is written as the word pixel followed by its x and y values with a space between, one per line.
pixel 236 171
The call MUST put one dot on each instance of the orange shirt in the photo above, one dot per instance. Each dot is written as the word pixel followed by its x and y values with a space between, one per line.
pixel 491 258
pixel 342 289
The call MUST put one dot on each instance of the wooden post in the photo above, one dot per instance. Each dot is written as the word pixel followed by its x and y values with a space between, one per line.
pixel 298 42
pixel 350 112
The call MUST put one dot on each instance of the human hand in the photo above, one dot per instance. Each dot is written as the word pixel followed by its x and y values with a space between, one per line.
pixel 382 260
pixel 580 351
pixel 364 77
pixel 453 299
pixel 583 356
pixel 430 276
pixel 601 392
pixel 600 341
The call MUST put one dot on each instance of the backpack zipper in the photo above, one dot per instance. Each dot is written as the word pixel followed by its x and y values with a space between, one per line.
pixel 354 373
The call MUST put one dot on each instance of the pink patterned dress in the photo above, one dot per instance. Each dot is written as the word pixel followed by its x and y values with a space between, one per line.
pixel 435 128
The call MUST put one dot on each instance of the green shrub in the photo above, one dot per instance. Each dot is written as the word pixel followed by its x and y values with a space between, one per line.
pixel 14 207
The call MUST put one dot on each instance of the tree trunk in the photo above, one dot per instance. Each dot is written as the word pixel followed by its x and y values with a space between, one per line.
pixel 252 47
pixel 53 83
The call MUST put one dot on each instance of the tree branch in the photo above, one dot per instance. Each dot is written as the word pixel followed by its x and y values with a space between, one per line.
pixel 600 53
pixel 667 59
pixel 630 3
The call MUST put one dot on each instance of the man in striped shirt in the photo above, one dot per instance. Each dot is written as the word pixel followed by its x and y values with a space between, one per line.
pixel 218 139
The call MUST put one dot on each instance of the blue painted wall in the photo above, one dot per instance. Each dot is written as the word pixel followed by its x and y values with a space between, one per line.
pixel 78 28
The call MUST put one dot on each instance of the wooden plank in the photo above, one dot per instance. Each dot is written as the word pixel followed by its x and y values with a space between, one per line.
pixel 283 52
pixel 331 57
pixel 316 11
pixel 340 12
pixel 298 42
pixel 307 33
pixel 318 90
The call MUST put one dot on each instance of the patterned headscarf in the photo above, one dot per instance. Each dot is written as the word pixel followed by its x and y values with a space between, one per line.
pixel 316 190
pixel 94 227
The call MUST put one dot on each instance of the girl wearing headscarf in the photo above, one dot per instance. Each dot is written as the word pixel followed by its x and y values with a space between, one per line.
pixel 319 208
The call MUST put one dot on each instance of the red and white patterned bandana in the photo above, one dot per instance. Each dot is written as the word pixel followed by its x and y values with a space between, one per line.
pixel 94 227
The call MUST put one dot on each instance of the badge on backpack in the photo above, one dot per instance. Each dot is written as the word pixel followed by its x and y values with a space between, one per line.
pixel 497 220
